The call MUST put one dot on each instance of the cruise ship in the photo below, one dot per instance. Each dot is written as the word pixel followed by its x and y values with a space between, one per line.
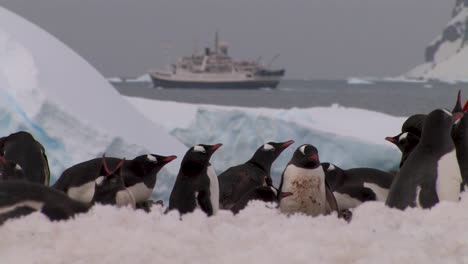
pixel 216 69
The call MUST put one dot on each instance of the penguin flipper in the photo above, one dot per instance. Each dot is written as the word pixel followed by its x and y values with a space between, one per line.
pixel 205 202
pixel 331 200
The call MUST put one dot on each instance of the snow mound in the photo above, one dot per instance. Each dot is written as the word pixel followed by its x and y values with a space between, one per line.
pixel 359 81
pixel 447 56
pixel 259 234
pixel 48 90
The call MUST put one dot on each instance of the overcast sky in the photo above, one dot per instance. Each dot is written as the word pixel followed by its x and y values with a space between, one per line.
pixel 315 38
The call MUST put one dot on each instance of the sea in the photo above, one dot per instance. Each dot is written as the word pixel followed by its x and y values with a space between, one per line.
pixel 397 98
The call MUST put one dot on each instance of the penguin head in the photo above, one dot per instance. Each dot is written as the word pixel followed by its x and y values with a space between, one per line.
pixel 334 175
pixel 437 125
pixel 306 156
pixel 414 124
pixel 460 129
pixel 405 141
pixel 201 153
pixel 267 153
pixel 151 163
pixel 108 184
pixel 10 170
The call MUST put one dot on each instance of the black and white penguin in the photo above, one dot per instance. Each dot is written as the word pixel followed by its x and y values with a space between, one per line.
pixel 358 185
pixel 460 139
pixel 304 179
pixel 10 170
pixel 20 198
pixel 139 174
pixel 110 187
pixel 196 184
pixel 406 142
pixel 267 194
pixel 237 181
pixel 23 149
pixel 431 173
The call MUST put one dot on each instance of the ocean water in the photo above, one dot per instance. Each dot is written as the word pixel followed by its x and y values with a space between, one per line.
pixel 391 97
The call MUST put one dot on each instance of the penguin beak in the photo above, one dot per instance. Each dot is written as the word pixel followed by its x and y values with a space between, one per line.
pixel 215 147
pixel 390 139
pixel 285 194
pixel 169 159
pixel 287 144
pixel 457 116
pixel 314 157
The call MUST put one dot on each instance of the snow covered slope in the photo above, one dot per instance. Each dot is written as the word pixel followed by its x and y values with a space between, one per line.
pixel 447 56
pixel 53 93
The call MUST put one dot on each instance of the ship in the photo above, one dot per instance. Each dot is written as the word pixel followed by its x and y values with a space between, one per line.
pixel 215 69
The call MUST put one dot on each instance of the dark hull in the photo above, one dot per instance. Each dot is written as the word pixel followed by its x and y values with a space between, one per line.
pixel 214 85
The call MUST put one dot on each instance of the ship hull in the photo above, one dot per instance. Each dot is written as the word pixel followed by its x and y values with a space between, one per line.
pixel 247 84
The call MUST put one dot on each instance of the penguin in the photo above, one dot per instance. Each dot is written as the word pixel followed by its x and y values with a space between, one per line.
pixel 414 124
pixel 196 184
pixel 20 198
pixel 110 187
pixel 304 179
pixel 10 170
pixel 261 193
pixel 236 181
pixel 460 140
pixel 355 186
pixel 431 173
pixel 23 149
pixel 406 142
pixel 139 175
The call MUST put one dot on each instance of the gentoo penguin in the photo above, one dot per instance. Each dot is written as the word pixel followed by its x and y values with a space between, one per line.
pixel 10 170
pixel 236 181
pixel 406 142
pixel 414 124
pixel 460 139
pixel 110 187
pixel 23 149
pixel 261 193
pixel 19 198
pixel 304 179
pixel 139 175
pixel 196 184
pixel 431 173
pixel 354 186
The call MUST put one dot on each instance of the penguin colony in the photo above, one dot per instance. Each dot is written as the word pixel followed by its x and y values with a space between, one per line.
pixel 433 168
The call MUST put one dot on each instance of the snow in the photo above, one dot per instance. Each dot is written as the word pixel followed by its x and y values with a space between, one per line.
pixel 257 235
pixel 50 91
pixel 338 133
pixel 359 81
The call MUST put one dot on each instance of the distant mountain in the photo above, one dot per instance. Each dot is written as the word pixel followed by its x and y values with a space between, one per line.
pixel 447 56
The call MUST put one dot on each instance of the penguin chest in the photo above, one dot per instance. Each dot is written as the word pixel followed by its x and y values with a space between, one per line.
pixel 125 198
pixel 449 178
pixel 83 193
pixel 140 192
pixel 308 191
pixel 214 188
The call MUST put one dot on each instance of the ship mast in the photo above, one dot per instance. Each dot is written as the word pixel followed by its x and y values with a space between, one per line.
pixel 216 43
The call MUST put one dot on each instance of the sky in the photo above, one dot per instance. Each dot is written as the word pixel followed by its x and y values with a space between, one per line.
pixel 319 39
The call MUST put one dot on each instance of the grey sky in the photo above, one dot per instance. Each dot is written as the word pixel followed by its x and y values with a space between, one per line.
pixel 315 38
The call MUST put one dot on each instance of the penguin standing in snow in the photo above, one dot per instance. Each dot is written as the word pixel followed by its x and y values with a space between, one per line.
pixel 358 185
pixel 460 139
pixel 268 194
pixel 23 149
pixel 431 172
pixel 139 175
pixel 304 181
pixel 406 142
pixel 237 181
pixel 20 198
pixel 196 184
